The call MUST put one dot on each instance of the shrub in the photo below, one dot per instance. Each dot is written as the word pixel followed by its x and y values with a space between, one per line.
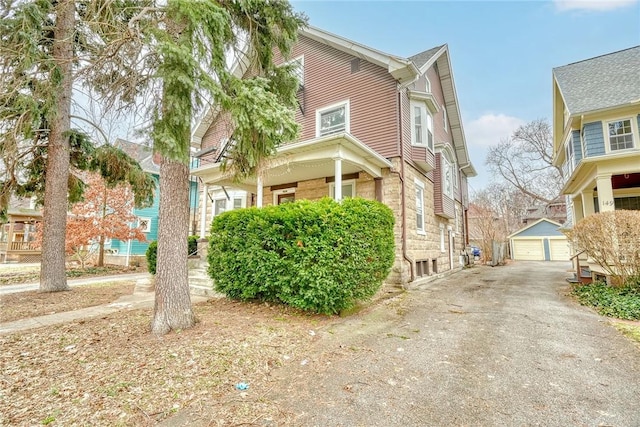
pixel 151 254
pixel 621 302
pixel 319 256
pixel 193 245
pixel 611 239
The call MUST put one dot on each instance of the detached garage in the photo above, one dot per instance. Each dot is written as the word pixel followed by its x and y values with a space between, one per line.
pixel 540 241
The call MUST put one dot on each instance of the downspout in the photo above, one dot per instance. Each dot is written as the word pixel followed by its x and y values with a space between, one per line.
pixel 402 189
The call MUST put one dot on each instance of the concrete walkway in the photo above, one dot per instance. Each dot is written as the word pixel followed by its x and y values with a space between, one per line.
pixel 23 287
pixel 127 302
pixel 141 298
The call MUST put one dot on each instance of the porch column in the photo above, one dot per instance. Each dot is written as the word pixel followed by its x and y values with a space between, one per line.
pixel 203 211
pixel 338 178
pixel 587 204
pixel 578 210
pixel 259 193
pixel 605 193
pixel 378 188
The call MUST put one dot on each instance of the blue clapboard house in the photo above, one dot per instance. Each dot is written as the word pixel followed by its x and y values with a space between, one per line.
pixel 133 251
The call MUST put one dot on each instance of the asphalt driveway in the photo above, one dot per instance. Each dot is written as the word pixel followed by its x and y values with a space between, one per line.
pixel 488 346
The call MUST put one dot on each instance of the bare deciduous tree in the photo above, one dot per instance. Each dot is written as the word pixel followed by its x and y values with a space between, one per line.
pixel 525 162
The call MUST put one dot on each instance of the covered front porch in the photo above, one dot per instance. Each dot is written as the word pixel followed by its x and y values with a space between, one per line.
pixel 606 183
pixel 604 186
pixel 336 166
pixel 18 235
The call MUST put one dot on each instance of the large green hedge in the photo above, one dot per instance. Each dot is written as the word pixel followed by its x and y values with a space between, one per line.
pixel 320 256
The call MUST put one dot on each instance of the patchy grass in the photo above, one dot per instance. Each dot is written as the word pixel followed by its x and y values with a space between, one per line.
pixel 111 371
pixel 14 276
pixel 622 302
pixel 631 331
pixel 22 305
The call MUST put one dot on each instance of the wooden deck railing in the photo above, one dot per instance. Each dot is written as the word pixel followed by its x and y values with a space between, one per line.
pixel 22 246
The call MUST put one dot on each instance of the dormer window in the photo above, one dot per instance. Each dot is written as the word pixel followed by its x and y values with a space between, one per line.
pixel 620 135
pixel 333 119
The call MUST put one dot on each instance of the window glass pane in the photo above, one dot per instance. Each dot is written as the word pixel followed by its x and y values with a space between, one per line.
pixel 620 136
pixel 237 203
pixel 417 120
pixel 220 206
pixel 430 132
pixel 419 209
pixel 333 121
pixel 628 203
pixel 347 190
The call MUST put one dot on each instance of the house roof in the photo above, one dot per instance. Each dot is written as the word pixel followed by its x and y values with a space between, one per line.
pixel 543 224
pixel 602 82
pixel 422 58
pixel 24 212
pixel 404 70
pixel 141 153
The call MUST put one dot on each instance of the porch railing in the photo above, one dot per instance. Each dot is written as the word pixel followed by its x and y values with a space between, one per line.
pixel 22 246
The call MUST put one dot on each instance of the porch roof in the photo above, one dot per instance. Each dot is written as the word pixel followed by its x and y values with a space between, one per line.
pixel 305 160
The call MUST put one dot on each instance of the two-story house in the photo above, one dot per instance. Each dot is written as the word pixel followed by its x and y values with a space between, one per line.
pixel 373 125
pixel 596 132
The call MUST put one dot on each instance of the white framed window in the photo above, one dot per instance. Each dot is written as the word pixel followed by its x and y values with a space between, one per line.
pixel 620 135
pixel 333 119
pixel 570 157
pixel 419 207
pixel 286 195
pixel 447 175
pixel 298 68
pixel 444 118
pixel 348 189
pixel 238 202
pixel 430 132
pixel 421 125
pixel 144 224
pixel 219 206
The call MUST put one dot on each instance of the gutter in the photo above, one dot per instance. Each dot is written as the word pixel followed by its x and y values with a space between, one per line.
pixel 403 208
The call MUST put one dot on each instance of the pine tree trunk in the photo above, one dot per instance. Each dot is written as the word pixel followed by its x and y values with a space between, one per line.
pixel 52 273
pixel 172 309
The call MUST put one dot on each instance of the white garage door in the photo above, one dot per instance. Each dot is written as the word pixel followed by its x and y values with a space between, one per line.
pixel 559 250
pixel 528 250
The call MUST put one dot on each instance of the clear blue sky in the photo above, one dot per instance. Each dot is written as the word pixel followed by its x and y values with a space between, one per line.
pixel 502 52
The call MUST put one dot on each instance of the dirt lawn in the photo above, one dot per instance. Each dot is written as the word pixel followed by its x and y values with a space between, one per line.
pixel 111 371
